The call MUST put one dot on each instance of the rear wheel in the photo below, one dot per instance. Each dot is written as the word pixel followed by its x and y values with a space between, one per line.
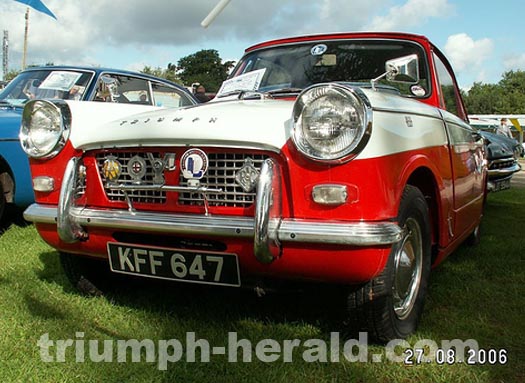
pixel 389 306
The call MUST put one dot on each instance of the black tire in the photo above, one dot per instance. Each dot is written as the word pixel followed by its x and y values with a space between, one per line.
pixel 390 306
pixel 89 276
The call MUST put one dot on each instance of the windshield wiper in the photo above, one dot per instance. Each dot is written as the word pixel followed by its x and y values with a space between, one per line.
pixel 280 91
pixel 232 93
pixel 285 91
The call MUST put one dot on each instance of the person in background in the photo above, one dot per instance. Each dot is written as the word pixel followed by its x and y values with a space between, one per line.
pixel 143 97
pixel 504 129
pixel 75 93
pixel 200 94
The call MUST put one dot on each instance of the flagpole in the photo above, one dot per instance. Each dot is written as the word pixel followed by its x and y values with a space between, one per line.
pixel 214 12
pixel 25 40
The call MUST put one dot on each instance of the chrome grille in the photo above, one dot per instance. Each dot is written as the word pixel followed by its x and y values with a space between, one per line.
pixel 140 196
pixel 503 163
pixel 222 170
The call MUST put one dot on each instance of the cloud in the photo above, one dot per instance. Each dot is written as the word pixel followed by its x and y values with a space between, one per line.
pixel 413 13
pixel 467 54
pixel 85 28
pixel 515 62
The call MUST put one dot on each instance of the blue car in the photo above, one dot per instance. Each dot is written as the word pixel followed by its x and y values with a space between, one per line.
pixel 68 83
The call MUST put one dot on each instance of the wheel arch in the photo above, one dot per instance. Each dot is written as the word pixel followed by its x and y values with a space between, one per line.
pixel 422 174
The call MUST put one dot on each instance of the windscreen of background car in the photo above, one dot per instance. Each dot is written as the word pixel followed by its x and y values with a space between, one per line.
pixel 134 90
pixel 58 84
pixel 168 97
pixel 355 61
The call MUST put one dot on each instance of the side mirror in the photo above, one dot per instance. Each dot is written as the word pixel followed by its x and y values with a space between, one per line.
pixel 476 136
pixel 403 69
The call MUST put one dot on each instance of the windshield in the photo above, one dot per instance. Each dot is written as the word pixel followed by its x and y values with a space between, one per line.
pixel 46 83
pixel 357 61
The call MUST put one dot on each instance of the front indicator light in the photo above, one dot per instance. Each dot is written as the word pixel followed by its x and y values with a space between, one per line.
pixel 43 184
pixel 330 194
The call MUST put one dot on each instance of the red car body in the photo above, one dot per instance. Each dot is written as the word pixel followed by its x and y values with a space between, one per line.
pixel 331 220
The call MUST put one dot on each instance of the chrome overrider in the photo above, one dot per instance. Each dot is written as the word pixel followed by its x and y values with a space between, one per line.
pixel 267 229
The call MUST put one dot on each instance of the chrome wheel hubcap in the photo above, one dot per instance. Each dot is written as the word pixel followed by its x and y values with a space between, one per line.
pixel 408 262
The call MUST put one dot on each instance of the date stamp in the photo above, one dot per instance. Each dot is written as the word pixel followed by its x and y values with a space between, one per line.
pixel 449 356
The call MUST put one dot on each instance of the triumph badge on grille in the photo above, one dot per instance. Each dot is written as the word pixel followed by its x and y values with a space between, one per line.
pixel 247 175
pixel 111 169
pixel 194 164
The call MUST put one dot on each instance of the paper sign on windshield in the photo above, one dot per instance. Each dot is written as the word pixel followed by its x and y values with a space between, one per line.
pixel 60 81
pixel 249 81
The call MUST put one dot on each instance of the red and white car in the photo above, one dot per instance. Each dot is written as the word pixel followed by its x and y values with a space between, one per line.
pixel 344 159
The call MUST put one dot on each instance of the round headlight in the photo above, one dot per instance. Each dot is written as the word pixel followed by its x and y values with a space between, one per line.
pixel 331 122
pixel 45 127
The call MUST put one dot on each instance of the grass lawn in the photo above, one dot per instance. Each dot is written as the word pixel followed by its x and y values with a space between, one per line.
pixel 478 293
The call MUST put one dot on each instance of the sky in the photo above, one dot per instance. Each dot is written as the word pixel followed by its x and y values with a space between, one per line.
pixel 482 39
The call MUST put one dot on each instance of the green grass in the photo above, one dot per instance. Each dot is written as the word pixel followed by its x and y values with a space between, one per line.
pixel 478 293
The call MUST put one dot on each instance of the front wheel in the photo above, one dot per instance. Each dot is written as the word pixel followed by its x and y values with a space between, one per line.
pixel 89 276
pixel 389 306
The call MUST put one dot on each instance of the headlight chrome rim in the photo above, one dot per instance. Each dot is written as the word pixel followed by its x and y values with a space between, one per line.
pixel 353 96
pixel 58 114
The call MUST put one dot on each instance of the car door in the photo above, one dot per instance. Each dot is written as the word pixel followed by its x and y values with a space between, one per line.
pixel 466 153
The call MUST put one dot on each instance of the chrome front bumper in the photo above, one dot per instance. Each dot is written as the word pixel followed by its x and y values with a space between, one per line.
pixel 267 229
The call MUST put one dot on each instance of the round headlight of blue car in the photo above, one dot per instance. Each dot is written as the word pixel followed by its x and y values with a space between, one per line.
pixel 45 127
pixel 332 122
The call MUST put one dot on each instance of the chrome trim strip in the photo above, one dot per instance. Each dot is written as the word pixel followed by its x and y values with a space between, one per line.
pixel 289 230
pixel 167 188
pixel 408 112
pixel 188 142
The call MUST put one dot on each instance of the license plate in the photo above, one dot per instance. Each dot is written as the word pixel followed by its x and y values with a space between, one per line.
pixel 502 185
pixel 174 264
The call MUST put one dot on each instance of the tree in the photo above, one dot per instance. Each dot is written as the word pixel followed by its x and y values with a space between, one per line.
pixel 170 73
pixel 506 97
pixel 205 67
pixel 11 75
pixel 513 85
pixel 484 99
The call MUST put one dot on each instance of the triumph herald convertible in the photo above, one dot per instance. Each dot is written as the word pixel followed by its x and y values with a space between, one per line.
pixel 343 159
